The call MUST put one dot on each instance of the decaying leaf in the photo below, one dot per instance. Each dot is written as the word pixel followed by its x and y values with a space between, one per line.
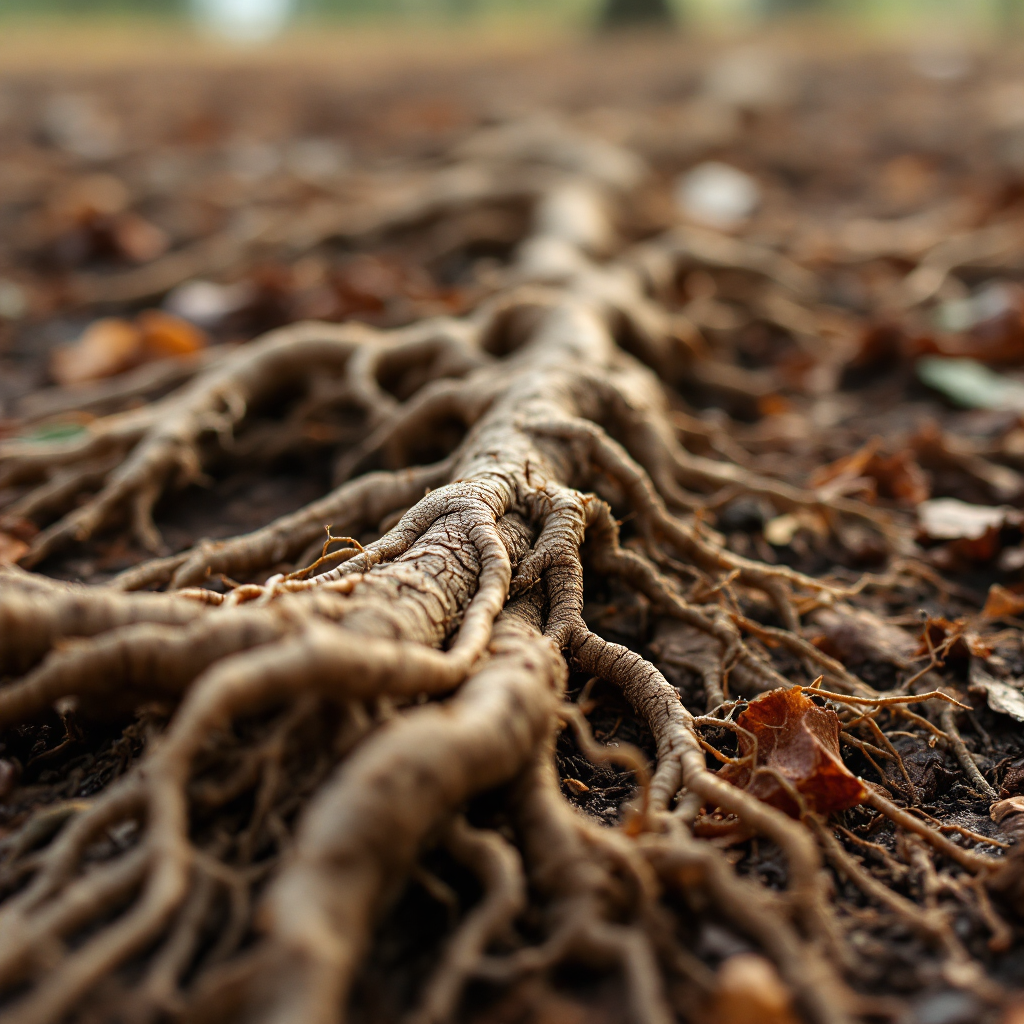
pixel 854 636
pixel 750 991
pixel 1013 779
pixel 870 474
pixel 112 345
pixel 1003 697
pixel 951 519
pixel 952 640
pixel 1002 602
pixel 107 346
pixel 164 334
pixel 965 533
pixel 1002 809
pixel 797 749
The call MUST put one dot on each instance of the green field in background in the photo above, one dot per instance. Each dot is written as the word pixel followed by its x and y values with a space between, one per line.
pixel 978 12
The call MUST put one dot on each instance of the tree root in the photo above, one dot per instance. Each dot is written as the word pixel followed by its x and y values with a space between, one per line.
pixel 335 720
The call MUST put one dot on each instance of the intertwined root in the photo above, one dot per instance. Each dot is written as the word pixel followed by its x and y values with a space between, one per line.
pixel 334 723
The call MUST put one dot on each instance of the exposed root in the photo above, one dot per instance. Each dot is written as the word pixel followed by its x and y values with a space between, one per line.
pixel 959 968
pixel 499 867
pixel 571 862
pixel 948 719
pixel 333 720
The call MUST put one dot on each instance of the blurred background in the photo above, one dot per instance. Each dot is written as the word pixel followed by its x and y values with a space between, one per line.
pixel 240 164
pixel 258 20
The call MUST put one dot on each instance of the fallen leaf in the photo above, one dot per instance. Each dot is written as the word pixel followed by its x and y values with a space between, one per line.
pixel 986 326
pixel 924 766
pixel 1002 809
pixel 952 639
pixel 750 991
pixel 797 741
pixel 952 519
pixel 678 644
pixel 107 346
pixel 1001 603
pixel 1013 779
pixel 11 549
pixel 899 477
pixel 871 474
pixel 854 636
pixel 1003 697
pixel 164 334
pixel 971 384
pixel 848 467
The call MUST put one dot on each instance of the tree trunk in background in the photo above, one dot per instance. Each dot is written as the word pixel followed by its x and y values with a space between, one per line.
pixel 637 13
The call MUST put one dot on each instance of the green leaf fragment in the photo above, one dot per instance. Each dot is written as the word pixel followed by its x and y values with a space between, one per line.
pixel 971 384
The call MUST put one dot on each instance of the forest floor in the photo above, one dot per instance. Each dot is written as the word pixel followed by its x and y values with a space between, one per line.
pixel 845 299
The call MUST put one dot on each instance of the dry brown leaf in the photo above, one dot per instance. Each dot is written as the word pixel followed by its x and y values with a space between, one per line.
pixel 11 549
pixel 853 635
pixel 868 473
pixel 952 640
pixel 1002 809
pixel 112 345
pixel 848 467
pixel 107 346
pixel 1002 602
pixel 750 991
pixel 797 748
pixel 164 334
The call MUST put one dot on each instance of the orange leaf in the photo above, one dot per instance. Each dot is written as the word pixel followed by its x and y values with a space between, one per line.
pixel 107 346
pixel 1002 602
pixel 11 549
pixel 797 749
pixel 848 466
pixel 165 334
